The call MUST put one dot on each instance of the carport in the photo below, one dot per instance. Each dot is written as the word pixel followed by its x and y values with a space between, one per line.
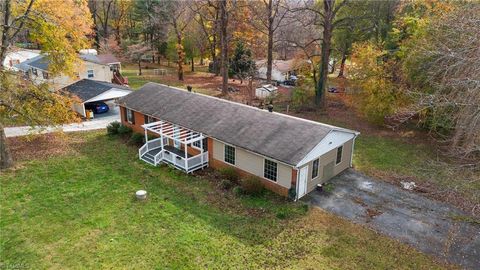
pixel 87 91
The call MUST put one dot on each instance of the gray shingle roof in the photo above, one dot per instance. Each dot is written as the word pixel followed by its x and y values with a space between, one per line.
pixel 278 136
pixel 86 89
pixel 42 61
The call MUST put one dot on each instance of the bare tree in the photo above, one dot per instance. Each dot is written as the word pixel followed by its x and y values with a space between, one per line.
pixel 450 58
pixel 325 14
pixel 179 22
pixel 207 17
pixel 224 44
pixel 267 17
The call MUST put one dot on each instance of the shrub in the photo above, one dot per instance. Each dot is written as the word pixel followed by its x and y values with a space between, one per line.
pixel 328 187
pixel 282 214
pixel 124 130
pixel 237 190
pixel 230 173
pixel 112 128
pixel 302 96
pixel 292 192
pixel 136 138
pixel 253 185
pixel 226 184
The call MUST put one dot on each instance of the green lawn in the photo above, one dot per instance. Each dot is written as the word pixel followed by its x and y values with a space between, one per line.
pixel 77 210
pixel 135 81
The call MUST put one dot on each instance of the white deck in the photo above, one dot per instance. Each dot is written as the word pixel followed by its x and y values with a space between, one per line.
pixel 157 151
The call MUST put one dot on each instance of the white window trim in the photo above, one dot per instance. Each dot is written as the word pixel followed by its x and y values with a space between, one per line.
pixel 234 157
pixel 198 148
pixel 93 73
pixel 263 171
pixel 318 169
pixel 341 156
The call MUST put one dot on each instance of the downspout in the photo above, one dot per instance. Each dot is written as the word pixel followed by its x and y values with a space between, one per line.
pixel 296 184
pixel 353 146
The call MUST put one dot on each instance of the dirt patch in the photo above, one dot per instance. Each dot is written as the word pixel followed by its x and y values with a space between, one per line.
pixel 42 146
pixel 371 213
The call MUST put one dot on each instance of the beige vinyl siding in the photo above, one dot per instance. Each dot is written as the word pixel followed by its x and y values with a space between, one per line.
pixel 253 163
pixel 325 160
pixel 101 73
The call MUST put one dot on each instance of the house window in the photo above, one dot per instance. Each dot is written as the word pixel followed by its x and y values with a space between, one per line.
pixel 149 119
pixel 196 144
pixel 270 170
pixel 45 74
pixel 34 71
pixel 130 116
pixel 315 168
pixel 90 73
pixel 339 154
pixel 230 154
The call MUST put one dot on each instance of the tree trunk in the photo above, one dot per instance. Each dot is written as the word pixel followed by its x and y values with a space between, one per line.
pixel 224 45
pixel 5 42
pixel 320 92
pixel 180 57
pixel 6 160
pixel 214 44
pixel 342 66
pixel 193 66
pixel 332 68
pixel 270 42
pixel 95 24
pixel 139 67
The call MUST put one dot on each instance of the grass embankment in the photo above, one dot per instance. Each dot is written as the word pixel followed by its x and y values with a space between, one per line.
pixel 75 208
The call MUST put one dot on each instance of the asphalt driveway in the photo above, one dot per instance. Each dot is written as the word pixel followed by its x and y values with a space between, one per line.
pixel 430 226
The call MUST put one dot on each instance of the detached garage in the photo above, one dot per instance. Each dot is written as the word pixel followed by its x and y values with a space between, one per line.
pixel 89 91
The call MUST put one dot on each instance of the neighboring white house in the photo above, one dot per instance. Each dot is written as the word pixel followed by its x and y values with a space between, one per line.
pixel 265 91
pixel 91 67
pixel 17 56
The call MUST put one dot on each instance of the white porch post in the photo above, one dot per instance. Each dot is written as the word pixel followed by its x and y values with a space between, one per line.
pixel 146 137
pixel 161 134
pixel 201 150
pixel 186 157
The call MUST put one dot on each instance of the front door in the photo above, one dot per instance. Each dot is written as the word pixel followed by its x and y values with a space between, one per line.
pixel 302 181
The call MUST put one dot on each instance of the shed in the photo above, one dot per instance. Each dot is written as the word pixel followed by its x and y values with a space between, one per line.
pixel 265 91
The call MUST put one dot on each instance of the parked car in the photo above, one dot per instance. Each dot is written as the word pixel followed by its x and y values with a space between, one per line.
pixel 97 107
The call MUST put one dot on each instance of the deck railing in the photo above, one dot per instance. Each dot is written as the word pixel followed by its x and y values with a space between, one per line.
pixel 196 161
pixel 150 145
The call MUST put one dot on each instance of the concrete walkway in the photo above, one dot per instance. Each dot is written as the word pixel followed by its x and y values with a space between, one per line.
pixel 430 226
pixel 100 122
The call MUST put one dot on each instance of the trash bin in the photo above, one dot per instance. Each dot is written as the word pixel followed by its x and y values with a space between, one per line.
pixel 89 114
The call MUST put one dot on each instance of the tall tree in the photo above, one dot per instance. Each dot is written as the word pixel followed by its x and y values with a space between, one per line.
pixel 267 18
pixel 242 64
pixel 224 44
pixel 325 13
pixel 61 29
pixel 207 15
pixel 179 21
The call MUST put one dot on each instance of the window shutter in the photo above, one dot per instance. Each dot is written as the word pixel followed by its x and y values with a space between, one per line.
pixel 145 119
pixel 133 117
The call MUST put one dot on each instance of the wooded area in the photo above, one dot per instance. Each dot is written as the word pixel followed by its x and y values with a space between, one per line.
pixel 406 61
